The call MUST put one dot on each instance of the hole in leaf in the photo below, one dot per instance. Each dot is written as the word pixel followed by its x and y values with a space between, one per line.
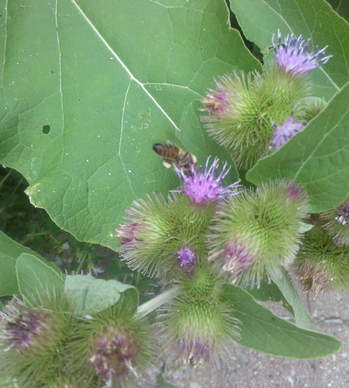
pixel 46 129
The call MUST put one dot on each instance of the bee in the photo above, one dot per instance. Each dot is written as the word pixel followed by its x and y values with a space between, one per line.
pixel 175 156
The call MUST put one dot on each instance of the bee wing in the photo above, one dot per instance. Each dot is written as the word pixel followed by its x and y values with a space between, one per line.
pixel 172 139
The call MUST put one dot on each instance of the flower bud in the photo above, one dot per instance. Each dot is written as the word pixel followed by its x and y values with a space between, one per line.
pixel 255 232
pixel 157 231
pixel 197 325
pixel 320 264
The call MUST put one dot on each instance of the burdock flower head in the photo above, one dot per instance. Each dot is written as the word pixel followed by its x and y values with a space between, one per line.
pixel 337 223
pixel 283 132
pixel 257 231
pixel 115 345
pixel 292 56
pixel 321 265
pixel 203 186
pixel 166 238
pixel 198 325
pixel 33 336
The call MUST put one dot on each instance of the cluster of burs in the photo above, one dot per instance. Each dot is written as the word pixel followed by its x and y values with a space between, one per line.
pixel 207 234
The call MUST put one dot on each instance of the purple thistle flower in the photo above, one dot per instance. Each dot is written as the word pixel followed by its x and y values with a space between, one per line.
pixel 285 131
pixel 23 326
pixel 195 352
pixel 114 349
pixel 216 102
pixel 343 214
pixel 237 259
pixel 292 55
pixel 186 258
pixel 314 278
pixel 203 186
pixel 127 233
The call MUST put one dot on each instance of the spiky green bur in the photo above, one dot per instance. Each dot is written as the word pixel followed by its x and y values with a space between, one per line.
pixel 337 223
pixel 114 345
pixel 308 108
pixel 243 124
pixel 198 325
pixel 33 340
pixel 69 381
pixel 321 264
pixel 256 231
pixel 158 229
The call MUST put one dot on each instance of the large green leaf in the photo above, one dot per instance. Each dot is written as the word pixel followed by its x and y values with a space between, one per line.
pixel 269 291
pixel 317 158
pixel 89 86
pixel 341 7
pixel 313 19
pixel 10 252
pixel 264 331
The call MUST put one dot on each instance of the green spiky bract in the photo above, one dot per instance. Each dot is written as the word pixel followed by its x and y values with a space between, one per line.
pixel 163 227
pixel 253 103
pixel 121 340
pixel 45 357
pixel 308 108
pixel 197 324
pixel 321 264
pixel 338 231
pixel 256 231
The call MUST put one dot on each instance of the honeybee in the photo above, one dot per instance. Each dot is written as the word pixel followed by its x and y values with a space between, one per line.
pixel 175 156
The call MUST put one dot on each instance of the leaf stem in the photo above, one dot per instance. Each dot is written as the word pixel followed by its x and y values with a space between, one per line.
pixel 156 302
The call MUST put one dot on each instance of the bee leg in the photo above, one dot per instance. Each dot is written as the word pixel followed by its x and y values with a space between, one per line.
pixel 167 163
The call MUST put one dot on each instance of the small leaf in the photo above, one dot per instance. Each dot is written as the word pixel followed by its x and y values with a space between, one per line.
pixel 10 251
pixel 317 158
pixel 88 295
pixel 35 275
pixel 264 331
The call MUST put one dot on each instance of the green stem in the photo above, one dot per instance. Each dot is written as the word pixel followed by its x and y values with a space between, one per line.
pixel 156 302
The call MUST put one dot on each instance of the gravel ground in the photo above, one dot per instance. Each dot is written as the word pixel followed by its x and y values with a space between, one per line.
pixel 248 368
